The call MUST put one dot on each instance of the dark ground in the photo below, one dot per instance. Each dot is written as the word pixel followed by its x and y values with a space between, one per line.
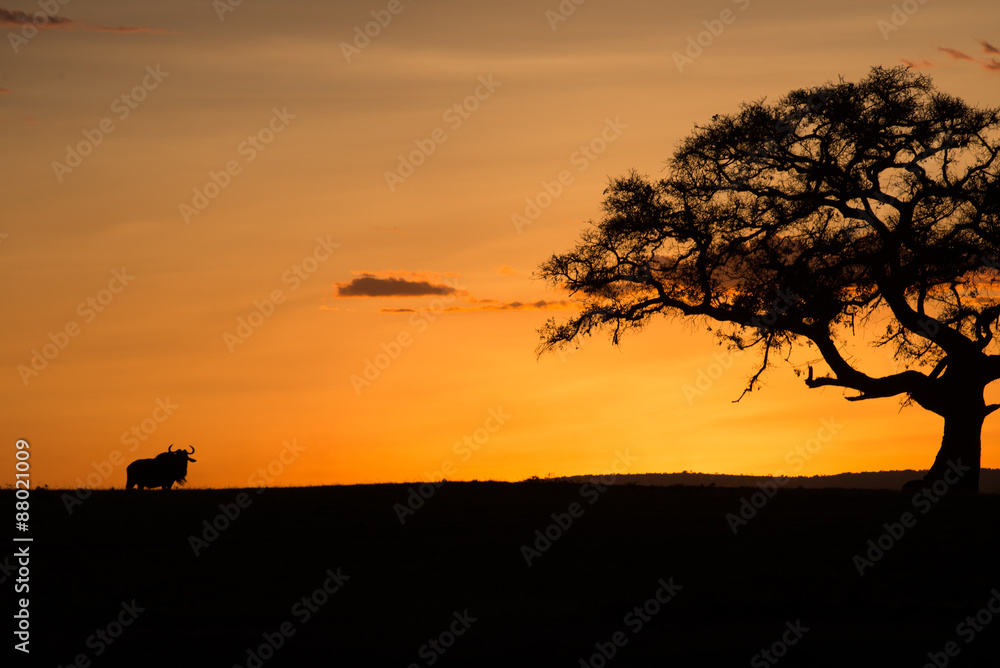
pixel 461 551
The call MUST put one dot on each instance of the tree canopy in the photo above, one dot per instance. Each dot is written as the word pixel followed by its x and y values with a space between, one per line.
pixel 873 204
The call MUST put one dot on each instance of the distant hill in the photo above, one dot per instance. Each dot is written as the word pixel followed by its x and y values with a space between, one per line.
pixel 989 480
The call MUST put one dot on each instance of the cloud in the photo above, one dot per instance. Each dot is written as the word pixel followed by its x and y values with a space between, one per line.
pixel 956 54
pixel 17 18
pixel 922 65
pixel 396 230
pixel 449 296
pixel 5 91
pixel 540 305
pixel 506 270
pixel 477 306
pixel 127 29
pixel 990 64
pixel 393 284
pixel 989 48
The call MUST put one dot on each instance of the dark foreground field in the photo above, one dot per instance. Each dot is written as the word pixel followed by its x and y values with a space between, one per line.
pixel 451 586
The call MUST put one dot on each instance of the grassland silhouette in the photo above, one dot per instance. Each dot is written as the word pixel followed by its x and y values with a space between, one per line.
pixel 302 575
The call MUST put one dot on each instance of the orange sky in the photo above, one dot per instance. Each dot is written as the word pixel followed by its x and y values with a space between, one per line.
pixel 298 127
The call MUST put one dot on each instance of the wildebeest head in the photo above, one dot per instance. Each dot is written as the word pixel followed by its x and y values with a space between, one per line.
pixel 162 471
pixel 176 461
pixel 181 455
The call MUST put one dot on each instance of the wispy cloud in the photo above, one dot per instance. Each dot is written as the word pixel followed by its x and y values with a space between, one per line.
pixel 5 91
pixel 477 305
pixel 18 18
pixel 956 54
pixel 127 29
pixel 392 284
pixel 990 64
pixel 917 65
pixel 15 17
pixel 506 270
pixel 989 48
pixel 394 229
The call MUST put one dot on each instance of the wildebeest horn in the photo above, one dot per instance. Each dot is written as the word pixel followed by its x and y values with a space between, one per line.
pixel 171 446
pixel 192 449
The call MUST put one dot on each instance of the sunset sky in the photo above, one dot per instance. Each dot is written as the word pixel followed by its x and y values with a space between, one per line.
pixel 224 225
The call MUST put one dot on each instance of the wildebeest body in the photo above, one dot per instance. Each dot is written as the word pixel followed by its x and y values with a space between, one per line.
pixel 162 471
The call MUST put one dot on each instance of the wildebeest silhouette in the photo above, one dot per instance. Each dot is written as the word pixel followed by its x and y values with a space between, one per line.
pixel 162 471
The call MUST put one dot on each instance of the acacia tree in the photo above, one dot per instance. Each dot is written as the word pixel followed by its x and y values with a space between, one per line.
pixel 873 204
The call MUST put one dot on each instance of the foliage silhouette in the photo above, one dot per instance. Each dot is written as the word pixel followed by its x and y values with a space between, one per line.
pixel 873 204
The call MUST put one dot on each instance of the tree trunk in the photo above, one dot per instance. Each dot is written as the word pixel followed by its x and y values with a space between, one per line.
pixel 957 462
